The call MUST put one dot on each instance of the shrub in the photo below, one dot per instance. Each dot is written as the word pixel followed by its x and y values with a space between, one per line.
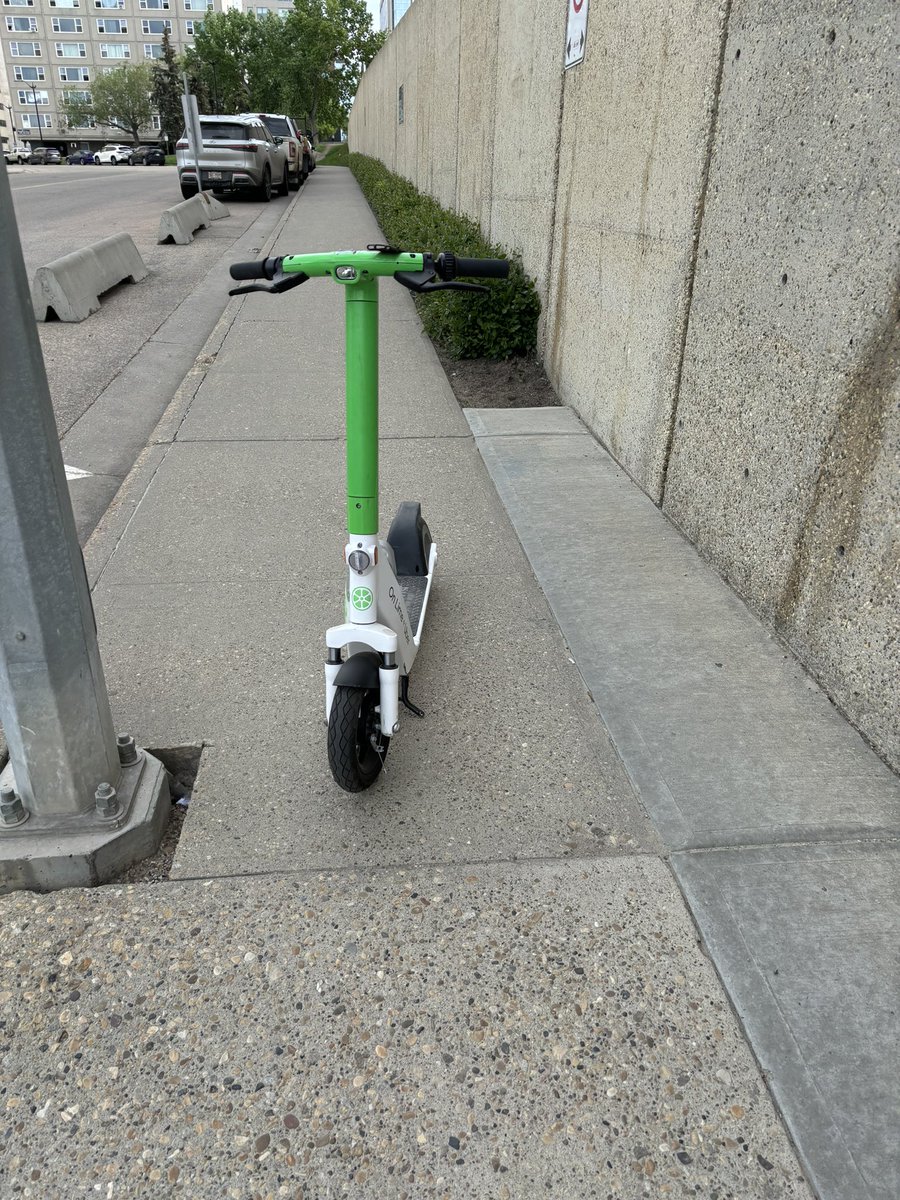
pixel 499 326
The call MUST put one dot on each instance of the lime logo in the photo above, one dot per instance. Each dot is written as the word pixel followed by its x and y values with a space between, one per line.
pixel 361 598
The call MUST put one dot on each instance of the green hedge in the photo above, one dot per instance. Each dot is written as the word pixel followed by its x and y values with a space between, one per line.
pixel 501 325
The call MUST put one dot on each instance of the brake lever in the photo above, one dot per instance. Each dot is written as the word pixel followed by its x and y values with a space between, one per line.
pixel 281 283
pixel 423 281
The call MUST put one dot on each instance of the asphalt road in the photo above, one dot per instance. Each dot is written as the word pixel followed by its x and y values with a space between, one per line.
pixel 111 376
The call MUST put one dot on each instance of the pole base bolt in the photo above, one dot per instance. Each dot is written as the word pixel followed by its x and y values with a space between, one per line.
pixel 107 801
pixel 12 810
pixel 128 751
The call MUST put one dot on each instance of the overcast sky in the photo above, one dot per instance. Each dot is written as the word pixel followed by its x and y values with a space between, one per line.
pixel 373 7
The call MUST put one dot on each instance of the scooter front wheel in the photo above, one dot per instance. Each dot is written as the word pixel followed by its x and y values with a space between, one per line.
pixel 356 748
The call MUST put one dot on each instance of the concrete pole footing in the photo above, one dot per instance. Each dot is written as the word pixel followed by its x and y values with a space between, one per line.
pixel 44 854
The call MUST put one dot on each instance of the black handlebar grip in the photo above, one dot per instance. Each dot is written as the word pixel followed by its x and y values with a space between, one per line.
pixel 484 268
pixel 264 269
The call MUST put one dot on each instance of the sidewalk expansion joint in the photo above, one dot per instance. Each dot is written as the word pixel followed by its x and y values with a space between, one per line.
pixel 415 868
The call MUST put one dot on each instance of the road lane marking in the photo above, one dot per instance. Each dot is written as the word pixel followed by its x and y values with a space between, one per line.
pixel 76 473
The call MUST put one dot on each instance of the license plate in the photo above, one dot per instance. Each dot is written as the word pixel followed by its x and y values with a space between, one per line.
pixel 214 174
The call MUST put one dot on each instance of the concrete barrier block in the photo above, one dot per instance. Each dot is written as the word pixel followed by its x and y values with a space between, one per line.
pixel 70 287
pixel 180 222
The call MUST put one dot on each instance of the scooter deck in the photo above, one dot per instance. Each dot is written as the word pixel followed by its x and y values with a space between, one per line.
pixel 414 588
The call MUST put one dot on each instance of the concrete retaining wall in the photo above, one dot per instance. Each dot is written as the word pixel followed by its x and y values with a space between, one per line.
pixel 709 207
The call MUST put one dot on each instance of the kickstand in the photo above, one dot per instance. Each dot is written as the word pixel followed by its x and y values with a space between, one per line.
pixel 404 697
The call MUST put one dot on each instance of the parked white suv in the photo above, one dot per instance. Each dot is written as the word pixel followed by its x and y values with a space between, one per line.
pixel 112 153
pixel 296 145
pixel 238 154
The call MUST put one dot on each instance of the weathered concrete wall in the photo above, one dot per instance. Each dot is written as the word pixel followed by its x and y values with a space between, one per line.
pixel 785 464
pixel 634 145
pixel 708 205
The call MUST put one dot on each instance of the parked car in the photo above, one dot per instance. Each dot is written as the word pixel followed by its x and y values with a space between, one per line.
pixel 113 153
pixel 239 154
pixel 44 154
pixel 81 158
pixel 17 152
pixel 312 149
pixel 148 156
pixel 298 148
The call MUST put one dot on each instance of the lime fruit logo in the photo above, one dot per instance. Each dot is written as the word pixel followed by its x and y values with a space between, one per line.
pixel 361 598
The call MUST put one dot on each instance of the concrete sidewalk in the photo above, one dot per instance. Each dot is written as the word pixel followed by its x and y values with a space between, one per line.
pixel 478 980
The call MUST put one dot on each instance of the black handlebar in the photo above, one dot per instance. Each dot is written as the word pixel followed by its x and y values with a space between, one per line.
pixel 480 268
pixel 266 268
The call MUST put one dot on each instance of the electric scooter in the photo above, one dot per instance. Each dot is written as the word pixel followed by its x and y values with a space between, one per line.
pixel 371 654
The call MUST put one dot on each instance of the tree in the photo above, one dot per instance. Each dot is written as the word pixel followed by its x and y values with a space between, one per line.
pixel 119 99
pixel 331 42
pixel 220 58
pixel 307 65
pixel 166 89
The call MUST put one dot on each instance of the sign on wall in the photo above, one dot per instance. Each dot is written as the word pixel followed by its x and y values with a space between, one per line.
pixel 576 32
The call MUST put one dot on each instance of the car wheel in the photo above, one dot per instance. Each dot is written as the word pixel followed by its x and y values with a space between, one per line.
pixel 295 181
pixel 188 192
pixel 285 183
pixel 265 190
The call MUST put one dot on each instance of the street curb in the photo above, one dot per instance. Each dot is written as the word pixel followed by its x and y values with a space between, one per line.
pixel 112 526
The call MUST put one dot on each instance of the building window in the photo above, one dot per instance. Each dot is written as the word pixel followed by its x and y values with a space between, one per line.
pixel 66 24
pixel 152 50
pixel 71 50
pixel 25 49
pixel 156 26
pixel 65 3
pixel 29 74
pixel 81 96
pixel 74 74
pixel 192 27
pixel 153 4
pixel 198 5
pixel 156 122
pixel 111 50
pixel 36 97
pixel 21 24
pixel 400 105
pixel 19 3
pixel 30 120
pixel 109 3
pixel 112 25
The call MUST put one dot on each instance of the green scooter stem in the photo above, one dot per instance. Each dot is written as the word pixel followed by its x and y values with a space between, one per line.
pixel 362 406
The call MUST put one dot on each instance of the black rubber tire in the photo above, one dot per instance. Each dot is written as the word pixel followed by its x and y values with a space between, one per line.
pixel 264 191
pixel 285 186
pixel 188 192
pixel 294 182
pixel 354 761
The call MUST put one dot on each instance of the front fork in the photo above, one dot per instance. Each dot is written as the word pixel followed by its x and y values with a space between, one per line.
pixel 364 631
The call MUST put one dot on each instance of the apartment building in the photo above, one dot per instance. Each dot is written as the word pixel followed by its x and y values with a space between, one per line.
pixel 54 47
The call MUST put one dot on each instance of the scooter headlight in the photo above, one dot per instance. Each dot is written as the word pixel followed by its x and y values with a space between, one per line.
pixel 359 561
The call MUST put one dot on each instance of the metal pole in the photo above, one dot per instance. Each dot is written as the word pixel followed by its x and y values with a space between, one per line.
pixel 53 702
pixel 37 113
pixel 81 810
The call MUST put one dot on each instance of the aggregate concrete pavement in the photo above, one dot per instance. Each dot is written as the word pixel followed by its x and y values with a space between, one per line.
pixel 480 978
pixel 786 824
